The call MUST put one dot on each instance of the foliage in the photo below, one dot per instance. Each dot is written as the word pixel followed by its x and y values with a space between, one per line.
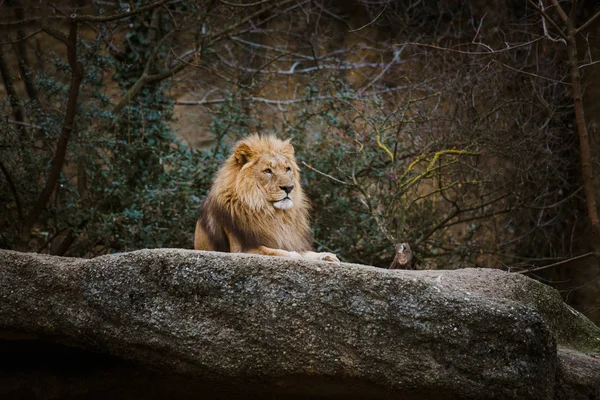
pixel 129 189
pixel 463 155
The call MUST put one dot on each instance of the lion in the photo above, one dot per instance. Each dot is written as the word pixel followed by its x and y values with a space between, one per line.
pixel 256 204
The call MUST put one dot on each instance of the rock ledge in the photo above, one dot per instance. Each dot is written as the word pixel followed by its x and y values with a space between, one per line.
pixel 179 323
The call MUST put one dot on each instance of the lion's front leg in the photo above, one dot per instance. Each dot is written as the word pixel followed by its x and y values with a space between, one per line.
pixel 313 255
pixel 307 255
pixel 267 251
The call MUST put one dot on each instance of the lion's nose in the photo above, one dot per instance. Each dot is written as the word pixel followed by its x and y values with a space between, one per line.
pixel 286 189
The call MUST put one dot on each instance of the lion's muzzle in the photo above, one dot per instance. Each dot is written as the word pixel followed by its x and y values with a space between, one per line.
pixel 284 204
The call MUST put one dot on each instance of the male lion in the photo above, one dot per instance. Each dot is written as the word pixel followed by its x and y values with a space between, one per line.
pixel 256 204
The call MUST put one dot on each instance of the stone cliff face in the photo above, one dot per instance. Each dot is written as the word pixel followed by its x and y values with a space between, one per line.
pixel 186 324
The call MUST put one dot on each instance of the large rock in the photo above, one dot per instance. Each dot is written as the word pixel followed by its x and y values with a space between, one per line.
pixel 187 324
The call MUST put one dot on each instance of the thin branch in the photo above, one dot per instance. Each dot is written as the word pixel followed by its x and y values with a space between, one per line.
pixel 371 22
pixel 479 217
pixel 294 70
pixel 146 78
pixel 531 74
pixel 115 17
pixel 588 22
pixel 21 39
pixel 558 203
pixel 325 175
pixel 431 168
pixel 588 64
pixel 395 60
pixel 229 29
pixel 546 17
pixel 58 35
pixel 473 53
pixel 244 5
pixel 445 222
pixel 526 271
pixel 28 125
pixel 277 102
pixel 22 23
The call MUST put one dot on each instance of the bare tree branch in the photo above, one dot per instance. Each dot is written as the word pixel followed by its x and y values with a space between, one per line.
pixel 56 34
pixel 147 78
pixel 22 39
pixel 205 101
pixel 244 5
pixel 547 18
pixel 28 125
pixel 589 22
pixel 372 21
pixel 63 141
pixel 215 38
pixel 474 53
pixel 13 189
pixel 119 16
pixel 527 271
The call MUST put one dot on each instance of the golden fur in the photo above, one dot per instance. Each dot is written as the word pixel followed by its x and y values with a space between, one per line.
pixel 256 204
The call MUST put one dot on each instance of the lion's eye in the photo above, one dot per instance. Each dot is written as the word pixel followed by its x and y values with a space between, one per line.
pixel 288 169
pixel 268 171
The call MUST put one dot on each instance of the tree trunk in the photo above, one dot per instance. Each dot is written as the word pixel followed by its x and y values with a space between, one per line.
pixel 584 144
pixel 63 140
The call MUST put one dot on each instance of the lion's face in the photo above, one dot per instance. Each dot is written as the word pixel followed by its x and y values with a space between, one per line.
pixel 268 174
pixel 275 174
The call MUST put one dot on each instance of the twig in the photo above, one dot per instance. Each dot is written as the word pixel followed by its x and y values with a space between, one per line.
pixel 531 74
pixel 115 17
pixel 546 17
pixel 326 175
pixel 244 5
pixel 395 60
pixel 588 22
pixel 588 64
pixel 58 35
pixel 146 78
pixel 230 28
pixel 376 18
pixel 28 125
pixel 294 70
pixel 473 53
pixel 20 39
pixel 205 101
pixel 526 271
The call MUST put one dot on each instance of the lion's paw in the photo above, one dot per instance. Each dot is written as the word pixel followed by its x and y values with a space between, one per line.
pixel 294 254
pixel 330 257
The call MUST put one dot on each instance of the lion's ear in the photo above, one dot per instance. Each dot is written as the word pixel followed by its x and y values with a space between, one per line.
pixel 243 153
pixel 287 147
